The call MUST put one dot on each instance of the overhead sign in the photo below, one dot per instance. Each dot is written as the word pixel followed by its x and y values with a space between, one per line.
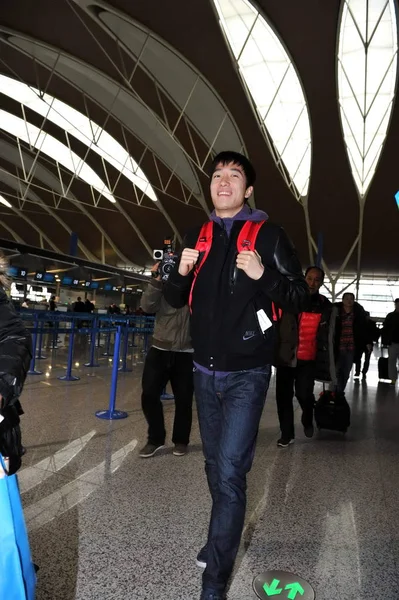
pixel 284 585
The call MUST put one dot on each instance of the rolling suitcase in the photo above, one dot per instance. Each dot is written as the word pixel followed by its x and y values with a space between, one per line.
pixel 332 412
pixel 383 366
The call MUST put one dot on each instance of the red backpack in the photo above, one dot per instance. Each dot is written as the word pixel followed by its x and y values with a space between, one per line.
pixel 245 241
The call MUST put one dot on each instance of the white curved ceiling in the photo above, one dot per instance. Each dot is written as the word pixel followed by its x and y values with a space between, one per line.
pixel 79 126
pixel 22 160
pixel 122 104
pixel 186 86
pixel 49 145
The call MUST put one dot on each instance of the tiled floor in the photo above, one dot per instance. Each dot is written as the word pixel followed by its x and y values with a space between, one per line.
pixel 107 525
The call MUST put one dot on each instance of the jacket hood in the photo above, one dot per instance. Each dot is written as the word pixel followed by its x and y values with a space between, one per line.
pixel 246 214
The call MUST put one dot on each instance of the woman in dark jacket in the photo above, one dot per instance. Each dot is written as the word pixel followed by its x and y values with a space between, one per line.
pixel 15 356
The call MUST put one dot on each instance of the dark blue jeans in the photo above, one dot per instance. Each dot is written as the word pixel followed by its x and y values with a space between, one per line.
pixel 344 368
pixel 229 411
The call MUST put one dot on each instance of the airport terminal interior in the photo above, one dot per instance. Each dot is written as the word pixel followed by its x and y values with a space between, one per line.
pixel 111 113
pixel 107 524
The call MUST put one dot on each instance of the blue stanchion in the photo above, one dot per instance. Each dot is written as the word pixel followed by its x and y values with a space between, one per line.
pixel 32 370
pixel 92 362
pixel 112 413
pixel 137 323
pixel 132 344
pixel 124 368
pixel 55 335
pixel 68 376
pixel 107 350
pixel 39 355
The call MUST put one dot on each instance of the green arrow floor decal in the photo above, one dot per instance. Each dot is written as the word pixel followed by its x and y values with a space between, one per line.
pixel 282 585
pixel 295 588
pixel 272 589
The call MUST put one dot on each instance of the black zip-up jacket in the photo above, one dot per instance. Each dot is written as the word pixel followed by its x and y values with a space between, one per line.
pixel 224 326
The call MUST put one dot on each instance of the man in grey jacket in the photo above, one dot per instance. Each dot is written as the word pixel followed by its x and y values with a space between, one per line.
pixel 170 358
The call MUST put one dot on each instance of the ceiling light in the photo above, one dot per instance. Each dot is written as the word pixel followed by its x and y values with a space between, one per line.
pixel 5 202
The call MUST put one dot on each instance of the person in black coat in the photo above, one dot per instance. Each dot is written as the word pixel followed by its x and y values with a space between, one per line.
pixel 230 284
pixel 15 357
pixel 371 335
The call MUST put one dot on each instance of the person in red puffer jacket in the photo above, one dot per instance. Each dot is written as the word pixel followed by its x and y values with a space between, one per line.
pixel 304 352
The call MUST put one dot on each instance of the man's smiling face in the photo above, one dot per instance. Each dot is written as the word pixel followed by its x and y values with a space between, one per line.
pixel 229 189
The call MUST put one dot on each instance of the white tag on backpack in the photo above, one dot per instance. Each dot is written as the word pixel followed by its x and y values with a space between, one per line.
pixel 263 320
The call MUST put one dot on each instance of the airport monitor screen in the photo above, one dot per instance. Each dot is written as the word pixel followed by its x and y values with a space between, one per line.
pixel 45 277
pixel 17 272
pixel 66 280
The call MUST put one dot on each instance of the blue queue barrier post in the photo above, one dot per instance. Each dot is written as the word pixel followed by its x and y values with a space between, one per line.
pixel 92 362
pixel 55 335
pixel 111 413
pixel 32 370
pixel 98 341
pixel 68 376
pixel 108 346
pixel 124 368
pixel 39 355
pixel 133 342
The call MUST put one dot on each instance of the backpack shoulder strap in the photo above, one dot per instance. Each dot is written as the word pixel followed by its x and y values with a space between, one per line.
pixel 247 237
pixel 204 240
pixel 203 244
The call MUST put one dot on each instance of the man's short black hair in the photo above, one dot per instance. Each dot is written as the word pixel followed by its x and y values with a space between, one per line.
pixel 229 156
pixel 348 294
pixel 317 269
pixel 396 300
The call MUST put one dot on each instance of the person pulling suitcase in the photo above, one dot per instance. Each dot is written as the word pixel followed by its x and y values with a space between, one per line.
pixel 304 353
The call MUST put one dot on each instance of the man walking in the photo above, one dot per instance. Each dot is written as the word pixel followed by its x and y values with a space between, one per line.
pixel 231 290
pixel 390 338
pixel 349 338
pixel 304 353
pixel 371 335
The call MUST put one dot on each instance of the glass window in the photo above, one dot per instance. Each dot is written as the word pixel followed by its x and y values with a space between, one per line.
pixel 375 295
pixel 273 83
pixel 367 71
